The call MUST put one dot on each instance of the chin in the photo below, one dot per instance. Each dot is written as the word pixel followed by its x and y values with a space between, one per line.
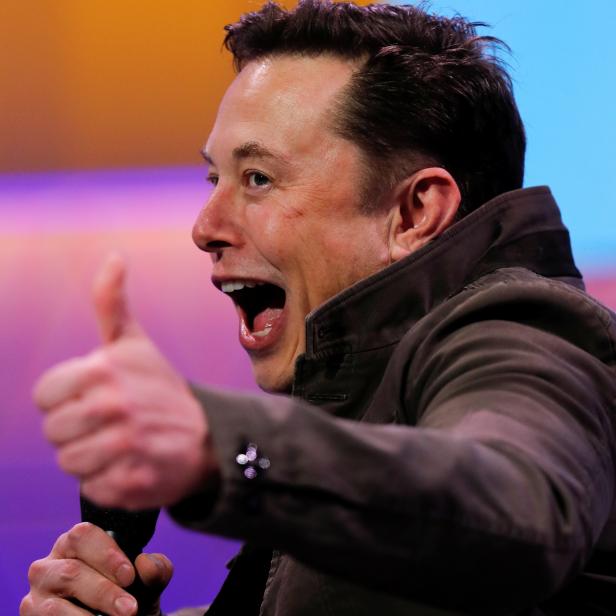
pixel 272 381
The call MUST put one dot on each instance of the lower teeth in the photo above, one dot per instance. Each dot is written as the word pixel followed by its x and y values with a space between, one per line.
pixel 262 333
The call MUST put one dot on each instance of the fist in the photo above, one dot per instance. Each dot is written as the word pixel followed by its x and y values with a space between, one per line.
pixel 123 421
pixel 87 567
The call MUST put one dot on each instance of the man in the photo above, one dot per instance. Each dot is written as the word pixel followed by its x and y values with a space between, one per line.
pixel 446 441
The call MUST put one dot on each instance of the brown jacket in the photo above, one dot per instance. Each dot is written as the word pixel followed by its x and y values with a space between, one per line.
pixel 450 441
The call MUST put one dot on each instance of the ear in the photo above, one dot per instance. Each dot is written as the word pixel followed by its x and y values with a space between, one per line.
pixel 425 204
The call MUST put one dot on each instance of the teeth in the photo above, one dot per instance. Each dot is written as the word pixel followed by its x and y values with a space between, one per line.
pixel 262 333
pixel 236 285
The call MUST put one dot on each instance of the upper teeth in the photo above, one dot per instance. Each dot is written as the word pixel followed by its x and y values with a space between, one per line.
pixel 236 285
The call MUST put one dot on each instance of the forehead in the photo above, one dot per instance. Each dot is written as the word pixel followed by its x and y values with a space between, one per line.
pixel 283 100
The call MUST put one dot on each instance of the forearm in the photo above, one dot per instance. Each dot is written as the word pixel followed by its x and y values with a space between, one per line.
pixel 424 507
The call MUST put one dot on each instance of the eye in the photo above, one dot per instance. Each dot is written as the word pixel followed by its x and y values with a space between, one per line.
pixel 256 179
pixel 212 178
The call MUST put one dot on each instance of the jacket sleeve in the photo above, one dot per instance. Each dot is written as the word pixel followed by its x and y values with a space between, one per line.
pixel 497 491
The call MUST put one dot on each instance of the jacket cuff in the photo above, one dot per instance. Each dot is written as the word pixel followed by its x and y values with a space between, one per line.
pixel 237 429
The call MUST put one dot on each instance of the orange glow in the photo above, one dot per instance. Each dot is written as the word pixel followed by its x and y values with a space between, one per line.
pixel 110 83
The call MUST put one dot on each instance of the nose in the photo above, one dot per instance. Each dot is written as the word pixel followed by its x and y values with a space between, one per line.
pixel 217 226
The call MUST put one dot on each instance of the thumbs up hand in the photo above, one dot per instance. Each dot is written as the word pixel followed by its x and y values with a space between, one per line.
pixel 123 421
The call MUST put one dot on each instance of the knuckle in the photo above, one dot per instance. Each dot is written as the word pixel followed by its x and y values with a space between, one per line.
pixel 37 571
pixel 26 607
pixel 61 544
pixel 79 533
pixel 83 528
pixel 68 571
pixel 49 607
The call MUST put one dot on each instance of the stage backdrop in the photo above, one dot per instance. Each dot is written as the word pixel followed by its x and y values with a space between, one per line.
pixel 92 91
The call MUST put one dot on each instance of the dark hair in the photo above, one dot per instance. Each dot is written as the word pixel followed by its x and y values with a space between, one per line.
pixel 427 91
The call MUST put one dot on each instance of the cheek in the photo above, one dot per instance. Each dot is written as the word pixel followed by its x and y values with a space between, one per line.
pixel 266 227
pixel 281 232
pixel 357 249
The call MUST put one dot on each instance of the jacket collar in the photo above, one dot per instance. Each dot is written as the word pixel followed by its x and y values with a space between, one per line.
pixel 522 228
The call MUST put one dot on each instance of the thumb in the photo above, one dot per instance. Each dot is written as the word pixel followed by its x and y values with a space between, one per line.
pixel 110 302
pixel 155 572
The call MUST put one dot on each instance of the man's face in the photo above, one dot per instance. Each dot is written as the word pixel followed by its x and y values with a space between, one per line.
pixel 283 224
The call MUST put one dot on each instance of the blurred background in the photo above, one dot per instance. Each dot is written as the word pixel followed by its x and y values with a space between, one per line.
pixel 104 106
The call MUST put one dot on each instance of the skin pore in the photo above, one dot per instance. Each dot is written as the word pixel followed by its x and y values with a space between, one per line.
pixel 286 210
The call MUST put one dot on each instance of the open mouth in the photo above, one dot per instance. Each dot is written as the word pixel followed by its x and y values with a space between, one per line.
pixel 260 305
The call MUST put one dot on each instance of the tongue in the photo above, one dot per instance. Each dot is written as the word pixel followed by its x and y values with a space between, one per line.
pixel 265 319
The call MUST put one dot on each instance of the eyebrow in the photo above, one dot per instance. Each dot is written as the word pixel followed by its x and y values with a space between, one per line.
pixel 250 149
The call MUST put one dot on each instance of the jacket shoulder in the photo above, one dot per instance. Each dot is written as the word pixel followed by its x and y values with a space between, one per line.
pixel 522 299
pixel 509 313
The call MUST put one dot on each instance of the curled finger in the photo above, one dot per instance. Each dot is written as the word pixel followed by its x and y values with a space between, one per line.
pixel 68 380
pixel 80 417
pixel 93 547
pixel 55 583
pixel 92 454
